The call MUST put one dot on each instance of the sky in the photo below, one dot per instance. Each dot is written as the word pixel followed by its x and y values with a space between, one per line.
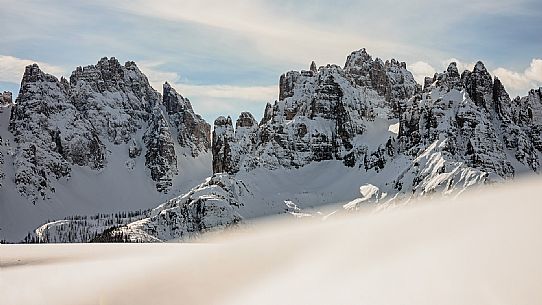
pixel 227 56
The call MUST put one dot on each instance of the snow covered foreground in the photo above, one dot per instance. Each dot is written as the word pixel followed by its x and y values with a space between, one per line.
pixel 483 249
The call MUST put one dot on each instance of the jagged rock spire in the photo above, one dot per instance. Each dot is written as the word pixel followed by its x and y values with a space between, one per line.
pixel 6 98
pixel 358 58
pixel 479 67
pixel 223 134
pixel 160 157
pixel 313 67
pixel 479 86
pixel 246 119
pixel 192 131
pixel 452 69
pixel 173 101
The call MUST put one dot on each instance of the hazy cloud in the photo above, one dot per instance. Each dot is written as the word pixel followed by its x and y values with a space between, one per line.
pixel 286 32
pixel 421 70
pixel 519 83
pixel 261 93
pixel 461 65
pixel 12 68
pixel 212 99
pixel 157 77
pixel 534 72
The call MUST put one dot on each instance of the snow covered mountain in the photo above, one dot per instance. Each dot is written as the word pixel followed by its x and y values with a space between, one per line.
pixel 350 136
pixel 102 142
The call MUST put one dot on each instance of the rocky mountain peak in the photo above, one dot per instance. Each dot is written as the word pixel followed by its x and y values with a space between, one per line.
pixel 323 116
pixel 173 101
pixel 222 122
pixel 479 67
pixel 130 65
pixel 318 116
pixel 267 114
pixel 479 85
pixel 246 119
pixel 108 64
pixel 452 70
pixel 358 58
pixel 286 84
pixel 33 73
pixel 502 100
pixel 230 146
pixel 313 67
pixel 108 75
pixel 395 63
pixel 390 79
pixel 6 98
pixel 535 93
pixel 223 134
pixel 447 80
pixel 59 124
pixel 192 131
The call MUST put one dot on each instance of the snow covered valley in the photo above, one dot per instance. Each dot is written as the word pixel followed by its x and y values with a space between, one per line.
pixel 483 248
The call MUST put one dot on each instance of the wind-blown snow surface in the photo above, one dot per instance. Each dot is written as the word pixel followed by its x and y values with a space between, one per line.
pixel 483 249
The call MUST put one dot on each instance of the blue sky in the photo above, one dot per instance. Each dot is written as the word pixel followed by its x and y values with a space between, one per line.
pixel 227 56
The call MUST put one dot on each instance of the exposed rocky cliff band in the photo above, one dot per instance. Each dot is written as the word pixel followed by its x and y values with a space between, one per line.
pixel 59 124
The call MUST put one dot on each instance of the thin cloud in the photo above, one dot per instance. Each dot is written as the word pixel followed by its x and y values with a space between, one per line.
pixel 283 37
pixel 262 93
pixel 158 77
pixel 296 32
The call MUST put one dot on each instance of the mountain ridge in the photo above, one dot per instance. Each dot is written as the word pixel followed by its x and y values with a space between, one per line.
pixel 71 140
pixel 377 134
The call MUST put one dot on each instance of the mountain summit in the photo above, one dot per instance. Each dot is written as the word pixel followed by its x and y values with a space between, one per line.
pixel 365 133
pixel 100 141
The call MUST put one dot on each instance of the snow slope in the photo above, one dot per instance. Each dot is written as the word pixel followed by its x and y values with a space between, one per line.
pixel 483 249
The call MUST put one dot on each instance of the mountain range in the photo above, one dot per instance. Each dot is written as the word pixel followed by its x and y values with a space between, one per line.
pixel 105 157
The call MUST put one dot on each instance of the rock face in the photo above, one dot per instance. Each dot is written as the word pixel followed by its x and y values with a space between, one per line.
pixel 230 146
pixel 390 79
pixel 192 131
pixel 50 133
pixel 6 99
pixel 445 123
pixel 465 121
pixel 475 122
pixel 319 116
pixel 116 98
pixel 160 157
pixel 60 124
pixel 210 206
